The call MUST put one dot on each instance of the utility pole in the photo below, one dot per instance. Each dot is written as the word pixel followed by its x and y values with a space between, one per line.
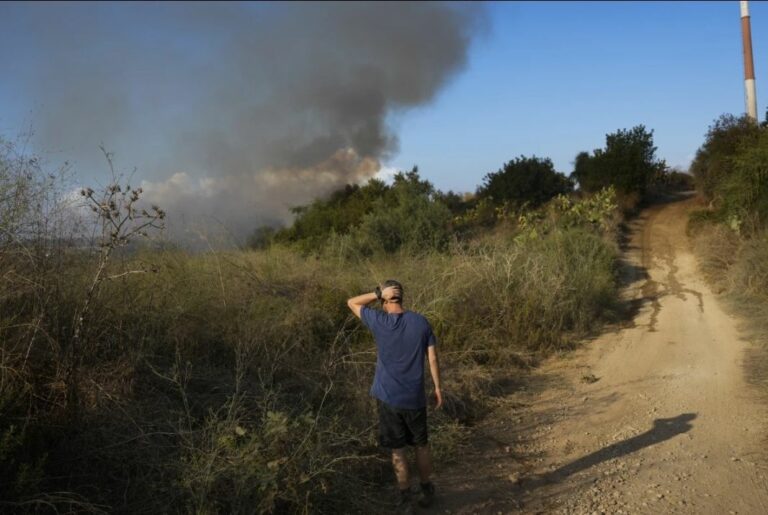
pixel 749 67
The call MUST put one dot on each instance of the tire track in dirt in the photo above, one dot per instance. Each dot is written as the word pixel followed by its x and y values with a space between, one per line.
pixel 655 416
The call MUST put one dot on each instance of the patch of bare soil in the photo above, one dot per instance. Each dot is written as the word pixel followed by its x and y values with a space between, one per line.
pixel 655 416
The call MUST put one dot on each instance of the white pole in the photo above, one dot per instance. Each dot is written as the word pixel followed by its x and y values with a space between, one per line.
pixel 749 67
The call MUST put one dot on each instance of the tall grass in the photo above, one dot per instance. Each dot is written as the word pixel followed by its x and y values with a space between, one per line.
pixel 738 269
pixel 238 381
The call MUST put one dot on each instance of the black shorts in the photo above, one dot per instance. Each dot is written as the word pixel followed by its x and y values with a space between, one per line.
pixel 400 427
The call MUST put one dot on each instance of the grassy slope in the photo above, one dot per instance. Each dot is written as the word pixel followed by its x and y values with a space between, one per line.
pixel 737 268
pixel 238 381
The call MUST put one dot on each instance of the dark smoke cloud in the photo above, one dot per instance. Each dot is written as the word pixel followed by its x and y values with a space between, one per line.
pixel 232 111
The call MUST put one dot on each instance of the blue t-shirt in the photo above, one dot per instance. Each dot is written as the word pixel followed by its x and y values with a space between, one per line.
pixel 401 343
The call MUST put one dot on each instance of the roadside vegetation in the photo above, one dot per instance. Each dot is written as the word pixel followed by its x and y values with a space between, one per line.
pixel 138 378
pixel 731 232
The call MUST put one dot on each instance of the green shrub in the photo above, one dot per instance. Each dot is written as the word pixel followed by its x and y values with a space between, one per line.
pixel 530 181
pixel 730 170
pixel 628 162
pixel 714 159
pixel 409 213
pixel 744 191
pixel 677 180
pixel 410 221
pixel 341 212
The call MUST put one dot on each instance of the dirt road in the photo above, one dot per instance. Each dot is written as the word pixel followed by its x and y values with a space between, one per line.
pixel 652 417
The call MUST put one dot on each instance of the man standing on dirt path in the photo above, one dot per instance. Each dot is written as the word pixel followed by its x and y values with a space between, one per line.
pixel 403 339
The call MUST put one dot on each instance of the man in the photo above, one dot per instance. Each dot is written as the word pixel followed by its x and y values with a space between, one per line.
pixel 403 338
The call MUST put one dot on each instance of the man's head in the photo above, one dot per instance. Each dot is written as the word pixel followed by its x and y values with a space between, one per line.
pixel 395 296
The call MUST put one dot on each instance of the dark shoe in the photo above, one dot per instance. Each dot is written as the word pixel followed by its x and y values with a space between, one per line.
pixel 405 506
pixel 427 495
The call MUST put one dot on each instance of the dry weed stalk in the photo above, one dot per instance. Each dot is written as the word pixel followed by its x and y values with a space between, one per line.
pixel 120 219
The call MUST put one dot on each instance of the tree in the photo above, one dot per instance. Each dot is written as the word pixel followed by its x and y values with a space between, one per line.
pixel 714 160
pixel 743 193
pixel 409 216
pixel 524 180
pixel 409 213
pixel 343 210
pixel 628 162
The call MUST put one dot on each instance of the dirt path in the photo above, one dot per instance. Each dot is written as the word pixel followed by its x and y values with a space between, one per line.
pixel 652 417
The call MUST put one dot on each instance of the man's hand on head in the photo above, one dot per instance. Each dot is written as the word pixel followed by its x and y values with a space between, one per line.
pixel 391 292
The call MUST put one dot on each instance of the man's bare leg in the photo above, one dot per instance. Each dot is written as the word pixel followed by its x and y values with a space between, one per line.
pixel 424 463
pixel 400 464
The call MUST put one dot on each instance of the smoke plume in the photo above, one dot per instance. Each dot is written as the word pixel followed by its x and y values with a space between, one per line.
pixel 230 112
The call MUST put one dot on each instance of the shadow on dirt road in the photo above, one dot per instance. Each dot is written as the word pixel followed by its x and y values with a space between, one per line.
pixel 663 429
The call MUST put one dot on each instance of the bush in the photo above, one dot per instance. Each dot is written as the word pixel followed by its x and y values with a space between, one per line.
pixel 339 214
pixel 744 191
pixel 730 170
pixel 376 217
pixel 530 181
pixel 676 180
pixel 628 162
pixel 406 220
pixel 714 159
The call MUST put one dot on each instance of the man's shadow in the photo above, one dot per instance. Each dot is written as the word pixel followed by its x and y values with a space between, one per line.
pixel 663 429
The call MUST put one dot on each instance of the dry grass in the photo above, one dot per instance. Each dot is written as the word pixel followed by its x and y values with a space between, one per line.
pixel 157 381
pixel 737 268
pixel 235 380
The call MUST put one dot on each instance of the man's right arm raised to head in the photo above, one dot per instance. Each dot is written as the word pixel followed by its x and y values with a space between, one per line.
pixel 356 303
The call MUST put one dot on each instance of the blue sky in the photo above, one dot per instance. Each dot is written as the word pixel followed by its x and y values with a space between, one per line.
pixel 552 79
pixel 545 78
